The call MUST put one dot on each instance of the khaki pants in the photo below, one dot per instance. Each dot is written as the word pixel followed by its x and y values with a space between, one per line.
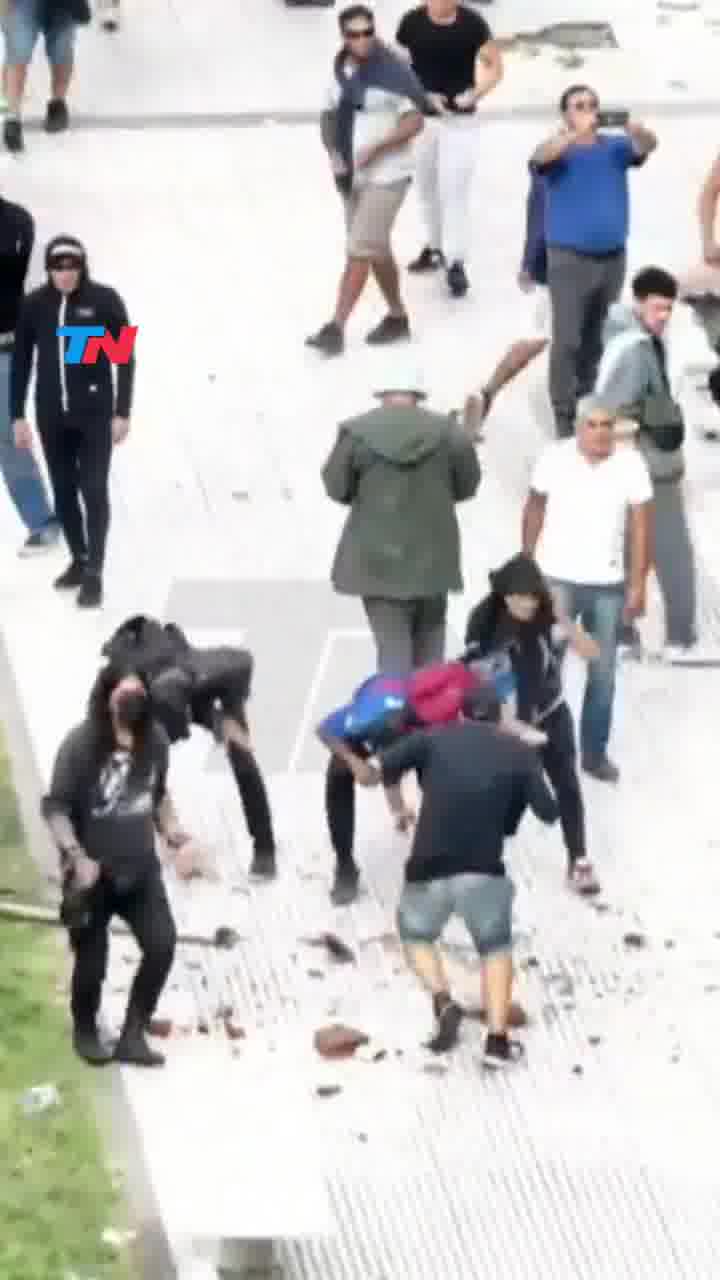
pixel 370 214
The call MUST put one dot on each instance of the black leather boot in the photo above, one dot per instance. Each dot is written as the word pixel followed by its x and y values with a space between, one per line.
pixel 132 1048
pixel 88 1045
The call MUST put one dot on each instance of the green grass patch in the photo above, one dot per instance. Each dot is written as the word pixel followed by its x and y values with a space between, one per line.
pixel 56 1193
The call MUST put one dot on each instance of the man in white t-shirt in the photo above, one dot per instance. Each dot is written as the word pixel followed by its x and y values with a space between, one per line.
pixel 372 113
pixel 583 494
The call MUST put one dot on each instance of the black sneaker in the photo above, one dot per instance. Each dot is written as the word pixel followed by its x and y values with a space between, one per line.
pixel 346 886
pixel 133 1049
pixel 601 768
pixel 90 594
pixel 501 1052
pixel 330 340
pixel 13 134
pixel 56 117
pixel 40 541
pixel 428 260
pixel 458 283
pixel 447 1028
pixel 263 864
pixel 390 329
pixel 71 578
pixel 88 1046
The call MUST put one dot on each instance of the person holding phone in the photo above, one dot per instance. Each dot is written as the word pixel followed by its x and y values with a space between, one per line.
pixel 587 224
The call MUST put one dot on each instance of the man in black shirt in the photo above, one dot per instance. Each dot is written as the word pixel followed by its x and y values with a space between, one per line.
pixel 107 798
pixel 80 409
pixel 476 784
pixel 18 466
pixel 454 56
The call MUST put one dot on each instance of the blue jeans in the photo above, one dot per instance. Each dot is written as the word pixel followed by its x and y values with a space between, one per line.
pixel 600 611
pixel 25 21
pixel 483 903
pixel 18 466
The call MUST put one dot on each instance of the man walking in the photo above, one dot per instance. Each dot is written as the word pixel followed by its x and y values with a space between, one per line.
pixel 372 113
pixel 80 412
pixel 583 494
pixel 23 23
pixel 453 54
pixel 633 382
pixel 401 470
pixel 476 784
pixel 19 468
pixel 586 230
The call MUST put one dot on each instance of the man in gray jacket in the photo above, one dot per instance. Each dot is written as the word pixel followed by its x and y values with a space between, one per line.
pixel 631 379
pixel 401 469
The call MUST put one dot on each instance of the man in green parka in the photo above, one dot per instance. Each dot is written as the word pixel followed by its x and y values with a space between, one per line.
pixel 401 469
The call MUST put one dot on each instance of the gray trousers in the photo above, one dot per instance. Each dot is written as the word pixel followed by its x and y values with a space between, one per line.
pixel 582 289
pixel 407 633
pixel 675 563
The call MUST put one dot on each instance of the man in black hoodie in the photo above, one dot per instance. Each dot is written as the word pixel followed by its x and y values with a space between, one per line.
pixel 80 410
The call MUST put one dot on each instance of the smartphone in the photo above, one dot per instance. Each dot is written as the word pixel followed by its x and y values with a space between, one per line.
pixel 613 119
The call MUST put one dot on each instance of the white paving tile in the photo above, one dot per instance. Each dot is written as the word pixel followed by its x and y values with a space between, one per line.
pixel 596 1160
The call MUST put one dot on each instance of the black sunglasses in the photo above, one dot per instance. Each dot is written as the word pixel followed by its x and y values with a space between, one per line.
pixel 356 34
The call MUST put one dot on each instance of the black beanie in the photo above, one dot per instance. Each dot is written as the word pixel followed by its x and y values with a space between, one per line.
pixel 519 576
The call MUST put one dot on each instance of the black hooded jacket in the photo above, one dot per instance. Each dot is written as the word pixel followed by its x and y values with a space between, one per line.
pixel 75 394
pixel 534 648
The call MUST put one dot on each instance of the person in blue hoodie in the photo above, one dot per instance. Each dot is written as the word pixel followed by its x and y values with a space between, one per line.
pixel 532 275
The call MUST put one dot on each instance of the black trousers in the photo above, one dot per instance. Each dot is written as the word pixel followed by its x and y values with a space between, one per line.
pixel 146 911
pixel 78 462
pixel 559 760
pixel 340 811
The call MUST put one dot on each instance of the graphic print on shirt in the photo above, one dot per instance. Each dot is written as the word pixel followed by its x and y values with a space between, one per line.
pixel 115 796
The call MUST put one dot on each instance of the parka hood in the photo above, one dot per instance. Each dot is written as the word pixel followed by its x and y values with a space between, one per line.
pixel 400 434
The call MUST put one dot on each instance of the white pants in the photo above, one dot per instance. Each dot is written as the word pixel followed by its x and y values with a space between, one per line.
pixel 446 157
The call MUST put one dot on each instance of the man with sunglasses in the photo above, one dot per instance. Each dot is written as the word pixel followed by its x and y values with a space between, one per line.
pixel 373 111
pixel 587 223
pixel 81 410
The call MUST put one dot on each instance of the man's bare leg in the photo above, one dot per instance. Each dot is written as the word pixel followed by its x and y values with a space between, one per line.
pixel 426 961
pixel 388 281
pixel 515 360
pixel 352 282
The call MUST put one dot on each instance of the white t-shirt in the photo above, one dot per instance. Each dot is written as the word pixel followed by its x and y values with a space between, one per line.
pixel 583 535
pixel 379 118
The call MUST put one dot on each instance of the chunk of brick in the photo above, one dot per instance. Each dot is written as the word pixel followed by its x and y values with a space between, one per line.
pixel 160 1027
pixel 338 1041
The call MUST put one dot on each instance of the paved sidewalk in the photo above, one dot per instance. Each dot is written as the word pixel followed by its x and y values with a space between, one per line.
pixel 595 1161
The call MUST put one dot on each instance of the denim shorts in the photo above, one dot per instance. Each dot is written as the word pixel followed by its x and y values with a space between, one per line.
pixel 483 903
pixel 25 22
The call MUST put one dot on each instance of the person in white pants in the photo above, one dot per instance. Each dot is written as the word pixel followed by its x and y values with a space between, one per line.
pixel 453 54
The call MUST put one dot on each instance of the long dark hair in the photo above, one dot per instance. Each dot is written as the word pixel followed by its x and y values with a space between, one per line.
pixel 100 719
pixel 491 622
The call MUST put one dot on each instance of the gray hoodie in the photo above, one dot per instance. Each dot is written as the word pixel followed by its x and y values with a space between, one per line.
pixel 630 370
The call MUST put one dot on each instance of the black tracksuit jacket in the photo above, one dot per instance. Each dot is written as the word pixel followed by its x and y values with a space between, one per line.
pixel 65 394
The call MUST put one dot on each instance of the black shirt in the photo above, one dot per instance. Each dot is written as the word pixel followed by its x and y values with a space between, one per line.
pixel 443 55
pixel 111 805
pixel 476 782
pixel 17 236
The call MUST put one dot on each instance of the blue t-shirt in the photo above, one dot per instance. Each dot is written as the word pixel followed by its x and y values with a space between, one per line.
pixel 588 205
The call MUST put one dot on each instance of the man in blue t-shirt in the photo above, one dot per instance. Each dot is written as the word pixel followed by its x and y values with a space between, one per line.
pixel 587 219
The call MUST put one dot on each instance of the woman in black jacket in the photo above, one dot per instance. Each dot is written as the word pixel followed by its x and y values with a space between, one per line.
pixel 521 620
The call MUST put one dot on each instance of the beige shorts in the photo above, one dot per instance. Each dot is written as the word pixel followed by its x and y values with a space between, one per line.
pixel 370 214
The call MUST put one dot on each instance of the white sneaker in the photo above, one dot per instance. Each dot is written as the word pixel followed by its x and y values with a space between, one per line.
pixel 692 655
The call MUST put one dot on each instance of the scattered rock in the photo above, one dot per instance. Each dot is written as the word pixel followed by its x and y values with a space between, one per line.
pixel 711 988
pixel 669 944
pixel 361 1137
pixel 530 962
pixel 578 1070
pixel 160 1027
pixel 602 908
pixel 233 1030
pixel 240 495
pixel 203 1028
pixel 338 1041
pixel 328 1090
pixel 366 1053
pixel 435 1068
pixel 315 973
pixel 225 938
pixel 335 947
pixel 635 941
pixel 594 1041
